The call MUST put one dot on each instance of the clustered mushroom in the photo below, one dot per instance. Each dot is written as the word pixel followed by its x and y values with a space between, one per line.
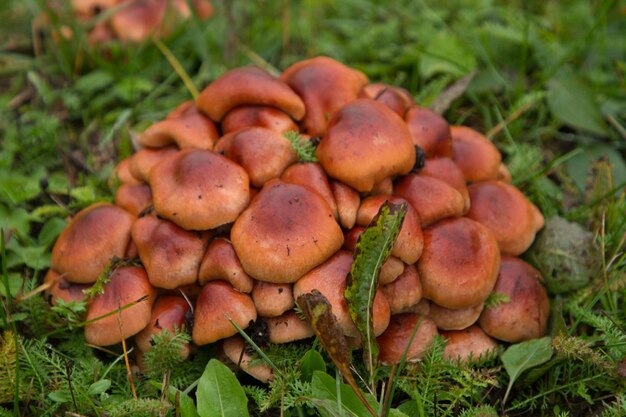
pixel 228 224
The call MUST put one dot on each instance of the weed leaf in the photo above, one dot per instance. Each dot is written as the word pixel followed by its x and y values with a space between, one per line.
pixel 219 393
pixel 523 356
pixel 311 361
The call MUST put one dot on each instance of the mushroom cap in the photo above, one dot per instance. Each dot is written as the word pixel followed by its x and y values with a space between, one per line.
pixel 127 285
pixel 430 132
pixel 391 269
pixel 330 279
pixel 503 208
pixel 234 348
pixel 248 86
pixel 62 289
pixel 312 175
pixel 347 201
pixel 405 291
pixel 383 187
pixel 394 341
pixel 169 312
pixel 217 303
pixel 185 127
pixel 365 143
pixel 466 344
pixel 475 155
pixel 263 153
pixel 446 170
pixel 220 262
pixel 199 190
pixel 133 198
pixel 138 20
pixel 432 198
pixel 397 99
pixel 325 86
pixel 90 8
pixel 122 174
pixel 525 315
pixel 285 232
pixel 459 265
pixel 272 300
pixel 410 241
pixel 454 319
pixel 288 327
pixel 257 116
pixel 142 161
pixel 170 254
pixel 95 235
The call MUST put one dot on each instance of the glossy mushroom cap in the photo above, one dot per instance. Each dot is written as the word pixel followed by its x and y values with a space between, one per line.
pixel 285 232
pixel 170 254
pixel 185 127
pixel 257 116
pixel 288 327
pixel 468 344
pixel 234 348
pixel 59 288
pixel 90 240
pixel 199 190
pixel 134 198
pixel 348 202
pixel 477 157
pixel 365 143
pixel 263 153
pixel 430 132
pixel 404 292
pixel 454 319
pixel 170 312
pixel 248 86
pixel 330 280
pixel 220 262
pixel 218 302
pixel 503 209
pixel 272 300
pixel 460 262
pixel 325 86
pixel 312 175
pixel 128 284
pixel 394 341
pixel 525 315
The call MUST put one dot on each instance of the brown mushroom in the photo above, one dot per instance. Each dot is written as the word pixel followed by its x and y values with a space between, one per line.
pixel 127 285
pixel 404 292
pixel 288 327
pixel 272 300
pixel 217 304
pixel 347 201
pixel 142 162
pixel 430 132
pixel 391 269
pixel 220 262
pixel 311 175
pixel 477 157
pixel 248 86
pixel 459 265
pixel 454 319
pixel 397 99
pixel 122 174
pixel 60 288
pixel 235 349
pixel 285 232
pixel 94 236
pixel 134 198
pixel 394 341
pixel 365 143
pixel 199 190
pixel 257 116
pixel 468 344
pixel 446 170
pixel 525 315
pixel 325 86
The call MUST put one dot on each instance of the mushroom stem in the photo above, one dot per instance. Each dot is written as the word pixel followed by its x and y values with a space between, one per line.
pixel 43 287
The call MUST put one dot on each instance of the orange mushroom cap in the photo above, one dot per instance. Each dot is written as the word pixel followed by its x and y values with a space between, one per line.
pixel 220 262
pixel 477 157
pixel 465 344
pixel 169 312
pixel 405 291
pixel 394 341
pixel 430 132
pixel 257 116
pixel 134 198
pixel 272 300
pixel 312 175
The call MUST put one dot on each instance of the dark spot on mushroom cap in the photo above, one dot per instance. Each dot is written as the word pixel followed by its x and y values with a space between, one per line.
pixel 280 290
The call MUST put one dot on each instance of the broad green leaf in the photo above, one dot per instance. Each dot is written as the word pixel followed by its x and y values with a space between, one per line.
pixel 15 282
pixel 446 54
pixel 579 166
pixel 523 356
pixel 372 250
pixel 16 188
pixel 183 402
pixel 99 387
pixel 60 396
pixel 15 219
pixel 324 386
pixel 311 361
pixel 571 102
pixel 51 230
pixel 219 393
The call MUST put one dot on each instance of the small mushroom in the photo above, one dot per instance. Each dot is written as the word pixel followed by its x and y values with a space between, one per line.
pixel 311 175
pixel 59 288
pixel 454 319
pixel 288 327
pixel 248 86
pixel 199 190
pixel 404 292
pixel 391 269
pixel 90 240
pixel 217 304
pixel 397 99
pixel 395 340
pixel 525 315
pixel 142 162
pixel 285 232
pixel 127 285
pixel 467 344
pixel 134 198
pixel 272 300
pixel 235 350
pixel 220 262
pixel 347 201
pixel 123 175
pixel 446 170
pixel 430 132
pixel 476 156
pixel 257 116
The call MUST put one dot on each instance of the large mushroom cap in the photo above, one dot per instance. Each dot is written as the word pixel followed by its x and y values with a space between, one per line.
pixel 430 132
pixel 128 284
pixel 501 207
pixel 525 315
pixel 365 143
pixel 248 86
pixel 459 265
pixel 94 236
pixel 394 341
pixel 287 231
pixel 217 304
pixel 199 190
pixel 477 157
pixel 325 86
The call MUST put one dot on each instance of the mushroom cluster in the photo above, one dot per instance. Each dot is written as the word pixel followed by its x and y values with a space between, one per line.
pixel 230 226
pixel 131 20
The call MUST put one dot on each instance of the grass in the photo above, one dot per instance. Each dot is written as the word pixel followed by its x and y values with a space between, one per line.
pixel 548 85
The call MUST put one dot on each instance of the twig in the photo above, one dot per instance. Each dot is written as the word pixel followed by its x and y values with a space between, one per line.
pixel 129 372
pixel 509 119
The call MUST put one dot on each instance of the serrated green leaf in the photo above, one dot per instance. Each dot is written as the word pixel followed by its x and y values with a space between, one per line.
pixel 371 252
pixel 523 356
pixel 219 393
